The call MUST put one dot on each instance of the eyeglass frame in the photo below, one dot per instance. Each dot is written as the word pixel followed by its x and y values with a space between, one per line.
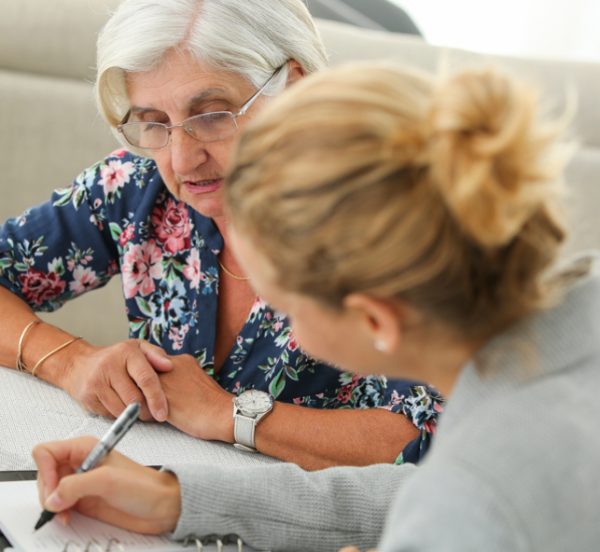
pixel 242 111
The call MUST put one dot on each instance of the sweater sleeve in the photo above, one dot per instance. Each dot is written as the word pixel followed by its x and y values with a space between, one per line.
pixel 282 507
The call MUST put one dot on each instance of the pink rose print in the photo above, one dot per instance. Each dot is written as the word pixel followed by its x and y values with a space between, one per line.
pixel 292 343
pixel 142 264
pixel 38 286
pixel 192 269
pixel 126 235
pixel 83 280
pixel 115 175
pixel 172 226
pixel 177 335
pixel 345 393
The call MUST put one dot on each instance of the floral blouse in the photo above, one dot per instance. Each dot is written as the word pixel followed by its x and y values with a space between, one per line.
pixel 118 217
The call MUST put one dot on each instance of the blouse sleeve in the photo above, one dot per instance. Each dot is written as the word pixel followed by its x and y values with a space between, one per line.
pixel 421 404
pixel 63 247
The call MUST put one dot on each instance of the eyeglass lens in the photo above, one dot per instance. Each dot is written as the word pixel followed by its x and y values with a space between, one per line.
pixel 207 127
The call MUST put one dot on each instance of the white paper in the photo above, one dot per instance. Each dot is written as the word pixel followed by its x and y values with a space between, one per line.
pixel 32 411
pixel 20 509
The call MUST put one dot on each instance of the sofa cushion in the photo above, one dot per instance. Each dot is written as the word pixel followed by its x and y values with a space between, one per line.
pixel 55 37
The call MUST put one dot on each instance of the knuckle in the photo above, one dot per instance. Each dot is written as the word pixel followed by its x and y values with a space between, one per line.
pixel 146 378
pixel 131 396
pixel 88 440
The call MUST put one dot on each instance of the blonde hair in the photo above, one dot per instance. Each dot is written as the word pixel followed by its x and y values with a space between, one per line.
pixel 381 180
pixel 250 37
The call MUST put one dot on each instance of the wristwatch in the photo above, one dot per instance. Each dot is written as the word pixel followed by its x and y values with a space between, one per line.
pixel 249 408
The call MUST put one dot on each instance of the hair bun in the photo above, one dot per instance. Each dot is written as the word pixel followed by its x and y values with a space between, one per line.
pixel 492 162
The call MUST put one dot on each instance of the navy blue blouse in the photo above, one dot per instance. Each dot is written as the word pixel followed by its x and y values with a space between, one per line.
pixel 118 217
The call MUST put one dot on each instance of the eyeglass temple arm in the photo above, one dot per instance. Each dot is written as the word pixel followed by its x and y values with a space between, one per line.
pixel 249 103
pixel 125 118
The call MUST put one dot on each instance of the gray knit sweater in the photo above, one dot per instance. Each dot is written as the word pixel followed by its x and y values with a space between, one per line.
pixel 514 466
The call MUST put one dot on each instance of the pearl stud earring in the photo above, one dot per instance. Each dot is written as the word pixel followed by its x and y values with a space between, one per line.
pixel 380 346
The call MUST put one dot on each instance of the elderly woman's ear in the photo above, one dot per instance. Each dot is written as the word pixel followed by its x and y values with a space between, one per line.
pixel 295 72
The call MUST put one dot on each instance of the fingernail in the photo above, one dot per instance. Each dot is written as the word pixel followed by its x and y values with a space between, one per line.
pixel 54 501
pixel 63 518
pixel 161 414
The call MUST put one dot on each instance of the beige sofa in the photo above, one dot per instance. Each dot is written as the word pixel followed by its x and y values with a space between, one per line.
pixel 50 128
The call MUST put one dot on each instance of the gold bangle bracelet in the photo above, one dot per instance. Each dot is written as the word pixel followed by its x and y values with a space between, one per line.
pixel 48 355
pixel 20 364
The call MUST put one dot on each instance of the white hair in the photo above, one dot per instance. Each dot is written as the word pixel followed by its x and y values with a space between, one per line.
pixel 249 37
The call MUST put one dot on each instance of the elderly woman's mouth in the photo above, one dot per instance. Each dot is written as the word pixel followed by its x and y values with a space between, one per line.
pixel 203 186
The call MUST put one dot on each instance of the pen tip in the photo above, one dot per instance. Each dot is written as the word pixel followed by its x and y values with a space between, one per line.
pixel 44 518
pixel 38 524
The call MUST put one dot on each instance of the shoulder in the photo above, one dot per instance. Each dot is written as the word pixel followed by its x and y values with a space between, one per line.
pixel 448 505
pixel 119 170
pixel 119 183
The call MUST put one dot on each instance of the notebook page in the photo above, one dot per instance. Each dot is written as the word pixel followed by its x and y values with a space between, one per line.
pixel 32 411
pixel 20 509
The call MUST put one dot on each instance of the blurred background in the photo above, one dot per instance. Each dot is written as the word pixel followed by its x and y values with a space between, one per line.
pixel 562 29
pixel 559 29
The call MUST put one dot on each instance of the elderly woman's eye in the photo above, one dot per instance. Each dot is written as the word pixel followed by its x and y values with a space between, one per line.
pixel 152 125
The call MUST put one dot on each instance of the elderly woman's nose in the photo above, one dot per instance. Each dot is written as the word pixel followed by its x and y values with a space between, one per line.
pixel 186 152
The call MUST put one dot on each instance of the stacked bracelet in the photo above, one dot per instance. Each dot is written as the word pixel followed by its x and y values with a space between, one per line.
pixel 20 364
pixel 47 355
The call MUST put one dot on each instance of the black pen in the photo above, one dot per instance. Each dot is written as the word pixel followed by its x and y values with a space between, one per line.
pixel 115 433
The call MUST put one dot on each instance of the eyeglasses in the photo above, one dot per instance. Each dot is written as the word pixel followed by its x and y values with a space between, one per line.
pixel 206 127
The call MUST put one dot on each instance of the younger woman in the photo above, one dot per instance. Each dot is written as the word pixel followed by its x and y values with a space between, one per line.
pixel 408 225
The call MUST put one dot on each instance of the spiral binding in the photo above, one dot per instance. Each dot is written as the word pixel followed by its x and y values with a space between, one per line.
pixel 219 540
pixel 113 545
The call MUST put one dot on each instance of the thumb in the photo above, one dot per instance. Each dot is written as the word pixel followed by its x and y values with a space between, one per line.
pixel 56 502
pixel 157 357
pixel 74 487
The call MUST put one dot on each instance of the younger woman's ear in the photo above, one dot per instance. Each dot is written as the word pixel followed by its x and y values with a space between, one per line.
pixel 381 321
pixel 295 72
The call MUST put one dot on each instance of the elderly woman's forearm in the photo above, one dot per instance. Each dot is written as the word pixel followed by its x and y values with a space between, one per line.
pixel 37 339
pixel 317 438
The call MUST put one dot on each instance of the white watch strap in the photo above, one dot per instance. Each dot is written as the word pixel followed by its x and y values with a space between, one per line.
pixel 243 432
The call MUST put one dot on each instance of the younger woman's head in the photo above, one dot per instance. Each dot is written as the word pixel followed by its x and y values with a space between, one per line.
pixel 382 204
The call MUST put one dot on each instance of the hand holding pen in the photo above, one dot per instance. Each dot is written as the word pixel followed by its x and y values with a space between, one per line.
pixel 115 433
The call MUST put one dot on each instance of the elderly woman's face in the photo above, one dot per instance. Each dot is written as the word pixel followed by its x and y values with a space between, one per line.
pixel 181 87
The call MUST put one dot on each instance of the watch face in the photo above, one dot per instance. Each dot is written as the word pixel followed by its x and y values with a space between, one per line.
pixel 254 402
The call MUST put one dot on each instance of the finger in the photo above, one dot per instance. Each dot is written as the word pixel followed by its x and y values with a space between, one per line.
pixel 47 476
pixel 72 488
pixel 110 400
pixel 98 509
pixel 147 380
pixel 157 357
pixel 54 457
pixel 126 388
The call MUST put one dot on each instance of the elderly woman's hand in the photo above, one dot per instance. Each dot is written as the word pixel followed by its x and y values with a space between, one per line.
pixel 198 405
pixel 106 379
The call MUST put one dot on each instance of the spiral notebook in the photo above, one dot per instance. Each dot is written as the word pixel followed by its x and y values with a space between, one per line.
pixel 20 509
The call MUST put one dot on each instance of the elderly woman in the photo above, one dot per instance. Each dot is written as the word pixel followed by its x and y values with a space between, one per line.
pixel 416 234
pixel 176 81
